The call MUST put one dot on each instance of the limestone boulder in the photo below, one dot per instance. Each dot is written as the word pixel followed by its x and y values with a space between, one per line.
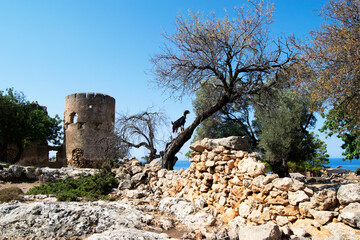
pixel 234 226
pixel 251 166
pixel 124 184
pixel 67 220
pixel 349 193
pixel 229 215
pixel 342 231
pixel 16 170
pixel 154 166
pixel 298 176
pixel 185 212
pixel 6 175
pixel 135 194
pixel 30 173
pixel 244 210
pixel 297 197
pixel 288 184
pixel 127 233
pixel 283 184
pixel 324 200
pixel 268 231
pixel 136 169
pixel 161 173
pixel 282 220
pixel 351 215
pixel 304 208
pixel 259 181
pixel 138 179
pixel 323 217
pixel 233 142
pixel 308 229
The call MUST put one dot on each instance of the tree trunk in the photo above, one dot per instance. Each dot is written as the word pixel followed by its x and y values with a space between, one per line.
pixel 152 155
pixel 280 167
pixel 168 158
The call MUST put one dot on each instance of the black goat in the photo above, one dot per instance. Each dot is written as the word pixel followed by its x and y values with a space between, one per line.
pixel 179 124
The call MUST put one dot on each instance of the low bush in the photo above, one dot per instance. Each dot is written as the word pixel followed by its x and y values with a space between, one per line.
pixel 357 171
pixel 92 187
pixel 11 193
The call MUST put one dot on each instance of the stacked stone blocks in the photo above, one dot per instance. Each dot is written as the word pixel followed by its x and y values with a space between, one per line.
pixel 89 127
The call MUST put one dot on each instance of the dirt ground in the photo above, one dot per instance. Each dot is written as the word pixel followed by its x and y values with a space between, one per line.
pixel 24 186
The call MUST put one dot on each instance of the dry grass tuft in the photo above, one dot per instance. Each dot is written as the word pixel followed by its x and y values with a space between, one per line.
pixel 11 193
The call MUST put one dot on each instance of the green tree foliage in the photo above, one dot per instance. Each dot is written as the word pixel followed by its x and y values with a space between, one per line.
pixel 346 128
pixel 238 51
pixel 232 120
pixel 22 123
pixel 314 158
pixel 321 158
pixel 332 58
pixel 283 120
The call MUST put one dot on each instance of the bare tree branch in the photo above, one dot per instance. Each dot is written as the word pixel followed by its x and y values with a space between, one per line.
pixel 139 130
pixel 238 52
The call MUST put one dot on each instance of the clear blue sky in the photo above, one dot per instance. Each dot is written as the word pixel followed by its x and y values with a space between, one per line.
pixel 49 49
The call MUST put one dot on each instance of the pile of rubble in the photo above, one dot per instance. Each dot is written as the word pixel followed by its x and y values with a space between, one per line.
pixel 231 185
pixel 46 174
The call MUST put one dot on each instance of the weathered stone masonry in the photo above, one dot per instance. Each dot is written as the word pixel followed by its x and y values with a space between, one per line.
pixel 88 126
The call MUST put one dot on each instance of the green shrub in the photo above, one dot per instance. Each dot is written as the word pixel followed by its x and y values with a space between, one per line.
pixel 11 193
pixel 357 171
pixel 88 187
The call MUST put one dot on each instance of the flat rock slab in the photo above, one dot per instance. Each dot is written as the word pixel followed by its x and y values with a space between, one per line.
pixel 234 143
pixel 68 219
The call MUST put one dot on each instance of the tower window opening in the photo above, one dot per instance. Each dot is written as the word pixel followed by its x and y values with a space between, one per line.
pixel 73 117
pixel 90 106
pixel 52 156
pixel 81 126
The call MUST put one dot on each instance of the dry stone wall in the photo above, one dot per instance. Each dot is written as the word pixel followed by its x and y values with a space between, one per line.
pixel 232 185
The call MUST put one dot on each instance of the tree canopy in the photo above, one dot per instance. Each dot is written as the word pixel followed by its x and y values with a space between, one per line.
pixel 331 71
pixel 22 122
pixel 284 119
pixel 232 120
pixel 238 52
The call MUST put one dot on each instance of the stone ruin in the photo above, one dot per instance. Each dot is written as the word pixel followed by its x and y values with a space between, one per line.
pixel 89 127
pixel 34 153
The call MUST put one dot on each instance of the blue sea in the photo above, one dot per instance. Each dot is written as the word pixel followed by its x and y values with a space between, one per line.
pixel 182 164
pixel 349 165
pixel 334 162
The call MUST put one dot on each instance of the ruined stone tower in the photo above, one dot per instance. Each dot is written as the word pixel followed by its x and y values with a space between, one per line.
pixel 89 127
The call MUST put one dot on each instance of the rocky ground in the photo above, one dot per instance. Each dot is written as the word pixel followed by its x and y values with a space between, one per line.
pixel 225 194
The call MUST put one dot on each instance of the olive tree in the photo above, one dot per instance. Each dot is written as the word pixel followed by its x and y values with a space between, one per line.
pixel 238 52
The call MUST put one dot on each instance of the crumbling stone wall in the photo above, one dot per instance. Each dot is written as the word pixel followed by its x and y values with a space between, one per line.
pixel 88 127
pixel 35 154
pixel 232 184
